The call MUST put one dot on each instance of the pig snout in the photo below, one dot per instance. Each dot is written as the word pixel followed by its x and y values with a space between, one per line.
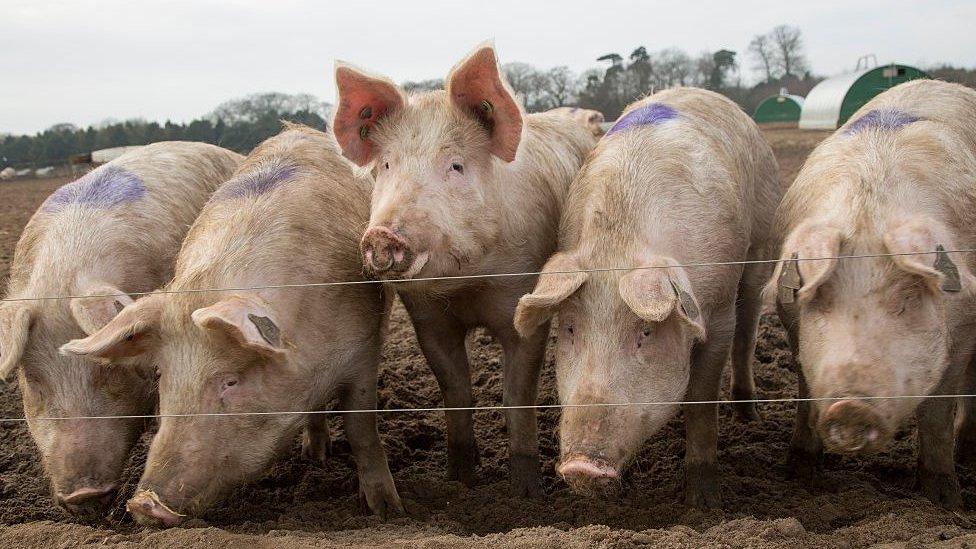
pixel 147 510
pixel 852 426
pixel 385 252
pixel 589 476
pixel 87 501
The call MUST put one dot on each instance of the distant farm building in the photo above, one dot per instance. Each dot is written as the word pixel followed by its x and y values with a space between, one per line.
pixel 831 102
pixel 101 156
pixel 781 108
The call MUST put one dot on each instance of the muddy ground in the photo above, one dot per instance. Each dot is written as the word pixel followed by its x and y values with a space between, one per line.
pixel 862 502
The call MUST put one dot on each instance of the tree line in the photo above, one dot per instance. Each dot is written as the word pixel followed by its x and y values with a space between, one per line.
pixel 777 58
pixel 238 125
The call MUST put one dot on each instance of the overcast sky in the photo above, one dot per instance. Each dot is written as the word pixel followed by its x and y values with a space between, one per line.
pixel 81 61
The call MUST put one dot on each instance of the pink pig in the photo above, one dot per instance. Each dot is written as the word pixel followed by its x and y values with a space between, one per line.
pixel 466 184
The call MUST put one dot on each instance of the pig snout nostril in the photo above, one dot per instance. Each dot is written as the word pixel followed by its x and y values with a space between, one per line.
pixel 852 426
pixel 384 251
pixel 87 500
pixel 146 509
pixel 587 477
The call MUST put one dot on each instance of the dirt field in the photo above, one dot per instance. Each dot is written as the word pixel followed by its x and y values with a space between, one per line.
pixel 862 502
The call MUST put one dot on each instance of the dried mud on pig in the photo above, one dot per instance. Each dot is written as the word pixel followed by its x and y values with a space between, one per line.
pixel 861 502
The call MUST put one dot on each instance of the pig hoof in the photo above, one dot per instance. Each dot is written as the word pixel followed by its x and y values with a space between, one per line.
pixel 315 448
pixel 525 476
pixel 702 489
pixel 805 466
pixel 746 411
pixel 381 499
pixel 461 464
pixel 941 489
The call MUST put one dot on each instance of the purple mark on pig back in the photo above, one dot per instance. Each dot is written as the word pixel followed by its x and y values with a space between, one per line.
pixel 648 115
pixel 881 119
pixel 261 180
pixel 105 187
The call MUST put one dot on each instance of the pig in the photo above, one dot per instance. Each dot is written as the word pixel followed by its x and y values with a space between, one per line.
pixel 290 215
pixel 683 177
pixel 112 232
pixel 467 184
pixel 591 119
pixel 897 178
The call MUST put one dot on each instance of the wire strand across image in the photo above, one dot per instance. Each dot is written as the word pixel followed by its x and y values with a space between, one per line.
pixel 486 276
pixel 477 276
pixel 491 408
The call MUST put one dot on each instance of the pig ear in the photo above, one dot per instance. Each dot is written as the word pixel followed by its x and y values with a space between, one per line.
pixel 15 322
pixel 363 101
pixel 131 333
pixel 93 313
pixel 809 258
pixel 554 286
pixel 922 235
pixel 248 321
pixel 654 294
pixel 477 88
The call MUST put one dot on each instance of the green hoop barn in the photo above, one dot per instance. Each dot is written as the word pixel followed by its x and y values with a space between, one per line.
pixel 831 102
pixel 782 108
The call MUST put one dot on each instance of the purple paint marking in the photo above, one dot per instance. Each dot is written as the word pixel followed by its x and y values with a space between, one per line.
pixel 105 187
pixel 650 114
pixel 881 119
pixel 259 181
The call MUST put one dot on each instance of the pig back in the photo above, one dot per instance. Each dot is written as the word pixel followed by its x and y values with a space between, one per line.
pixel 672 162
pixel 907 150
pixel 126 218
pixel 293 213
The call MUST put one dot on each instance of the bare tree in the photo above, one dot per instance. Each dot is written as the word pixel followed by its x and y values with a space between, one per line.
pixel 673 67
pixel 787 43
pixel 417 86
pixel 761 50
pixel 258 105
pixel 561 86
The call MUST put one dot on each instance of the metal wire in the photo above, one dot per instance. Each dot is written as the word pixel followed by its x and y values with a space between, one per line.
pixel 484 408
pixel 490 408
pixel 474 277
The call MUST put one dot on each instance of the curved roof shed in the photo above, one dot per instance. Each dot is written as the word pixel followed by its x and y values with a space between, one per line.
pixel 831 102
pixel 779 109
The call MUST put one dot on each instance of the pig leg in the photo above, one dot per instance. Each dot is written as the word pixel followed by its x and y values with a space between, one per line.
pixel 936 466
pixel 442 342
pixel 702 488
pixel 748 307
pixel 316 439
pixel 805 458
pixel 523 362
pixel 966 441
pixel 376 487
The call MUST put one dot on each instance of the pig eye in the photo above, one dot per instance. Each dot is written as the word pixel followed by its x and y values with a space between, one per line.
pixel 645 332
pixel 457 167
pixel 386 165
pixel 228 383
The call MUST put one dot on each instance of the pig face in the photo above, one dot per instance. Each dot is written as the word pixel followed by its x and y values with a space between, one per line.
pixel 622 339
pixel 224 358
pixel 84 458
pixel 871 327
pixel 434 157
